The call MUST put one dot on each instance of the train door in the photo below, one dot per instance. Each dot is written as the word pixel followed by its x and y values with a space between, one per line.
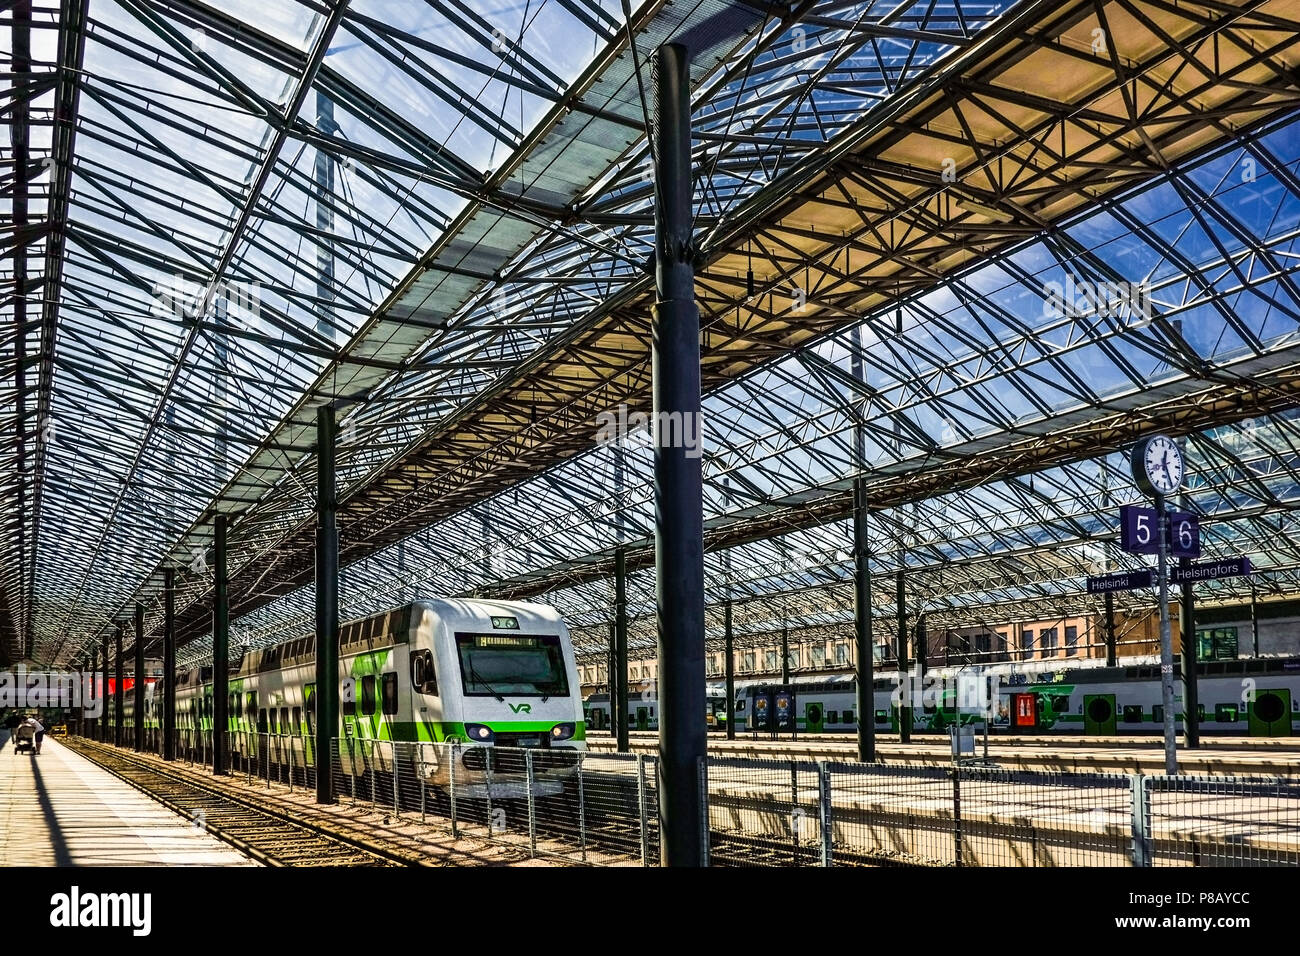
pixel 813 718
pixel 642 718
pixel 1270 713
pixel 1099 716
pixel 1024 711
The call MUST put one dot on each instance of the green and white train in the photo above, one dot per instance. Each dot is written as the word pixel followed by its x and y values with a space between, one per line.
pixel 483 674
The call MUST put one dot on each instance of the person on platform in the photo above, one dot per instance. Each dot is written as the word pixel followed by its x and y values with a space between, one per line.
pixel 37 726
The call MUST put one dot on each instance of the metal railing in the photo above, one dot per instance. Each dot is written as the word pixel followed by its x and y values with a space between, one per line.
pixel 805 813
pixel 602 809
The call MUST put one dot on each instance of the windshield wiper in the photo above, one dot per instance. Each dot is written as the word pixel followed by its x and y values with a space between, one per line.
pixel 478 679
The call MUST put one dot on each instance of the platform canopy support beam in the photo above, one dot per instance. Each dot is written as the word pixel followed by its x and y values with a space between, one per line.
pixel 139 675
pixel 327 603
pixel 679 514
pixel 119 694
pixel 169 665
pixel 618 676
pixel 904 679
pixel 220 648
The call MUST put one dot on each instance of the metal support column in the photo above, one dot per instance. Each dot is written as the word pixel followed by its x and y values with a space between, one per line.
pixel 785 648
pixel 1166 640
pixel 730 665
pixel 618 678
pixel 904 679
pixel 862 626
pixel 220 647
pixel 97 693
pixel 138 675
pixel 1191 692
pixel 679 518
pixel 327 603
pixel 169 664
pixel 106 718
pixel 1111 655
pixel 1254 621
pixel 922 646
pixel 119 689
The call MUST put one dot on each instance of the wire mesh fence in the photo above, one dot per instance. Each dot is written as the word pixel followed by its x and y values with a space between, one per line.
pixel 553 802
pixel 602 808
pixel 762 812
pixel 1220 821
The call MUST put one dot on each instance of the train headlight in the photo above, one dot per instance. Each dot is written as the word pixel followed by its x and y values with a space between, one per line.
pixel 562 731
pixel 479 733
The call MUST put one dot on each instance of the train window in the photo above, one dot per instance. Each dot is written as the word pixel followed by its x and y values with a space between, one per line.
pixel 1132 714
pixel 1200 712
pixel 832 716
pixel 261 721
pixel 284 720
pixel 250 707
pixel 1158 713
pixel 423 677
pixel 389 690
pixel 309 695
pixel 740 705
pixel 1225 713
pixel 297 721
pixel 848 717
pixel 1061 703
pixel 882 716
pixel 368 695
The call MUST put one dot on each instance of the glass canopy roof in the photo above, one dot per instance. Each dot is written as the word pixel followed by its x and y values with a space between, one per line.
pixel 222 217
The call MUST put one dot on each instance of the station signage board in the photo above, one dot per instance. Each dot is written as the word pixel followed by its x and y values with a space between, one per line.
pixel 1121 581
pixel 1211 570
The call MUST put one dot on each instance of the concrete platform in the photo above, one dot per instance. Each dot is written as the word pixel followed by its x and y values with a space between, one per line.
pixel 59 809
pixel 1223 757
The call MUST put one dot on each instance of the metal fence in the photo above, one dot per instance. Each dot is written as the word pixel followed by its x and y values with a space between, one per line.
pixel 804 813
pixel 602 808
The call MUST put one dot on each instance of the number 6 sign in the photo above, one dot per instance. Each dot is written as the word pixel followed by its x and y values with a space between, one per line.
pixel 1184 535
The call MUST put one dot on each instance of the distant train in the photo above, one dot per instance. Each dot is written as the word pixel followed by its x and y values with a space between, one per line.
pixel 643 710
pixel 1257 697
pixel 480 673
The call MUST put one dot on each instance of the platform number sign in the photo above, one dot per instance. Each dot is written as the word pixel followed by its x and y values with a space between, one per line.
pixel 1139 529
pixel 1184 535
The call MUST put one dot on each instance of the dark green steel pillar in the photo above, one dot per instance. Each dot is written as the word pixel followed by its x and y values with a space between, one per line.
pixel 327 603
pixel 169 665
pixel 92 728
pixel 730 669
pixel 785 649
pixel 679 513
pixel 904 679
pixel 139 677
pixel 1112 658
pixel 220 648
pixel 611 665
pixel 1254 620
pixel 106 718
pixel 866 704
pixel 922 646
pixel 618 676
pixel 1190 666
pixel 119 692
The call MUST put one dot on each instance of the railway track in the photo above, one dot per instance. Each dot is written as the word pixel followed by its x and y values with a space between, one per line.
pixel 264 833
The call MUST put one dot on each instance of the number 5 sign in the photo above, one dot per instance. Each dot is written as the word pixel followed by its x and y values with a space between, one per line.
pixel 1138 530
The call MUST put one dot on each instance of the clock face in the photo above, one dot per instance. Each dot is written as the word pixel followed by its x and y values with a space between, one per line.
pixel 1160 463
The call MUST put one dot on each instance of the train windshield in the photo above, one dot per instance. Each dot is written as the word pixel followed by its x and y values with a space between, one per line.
pixel 515 665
